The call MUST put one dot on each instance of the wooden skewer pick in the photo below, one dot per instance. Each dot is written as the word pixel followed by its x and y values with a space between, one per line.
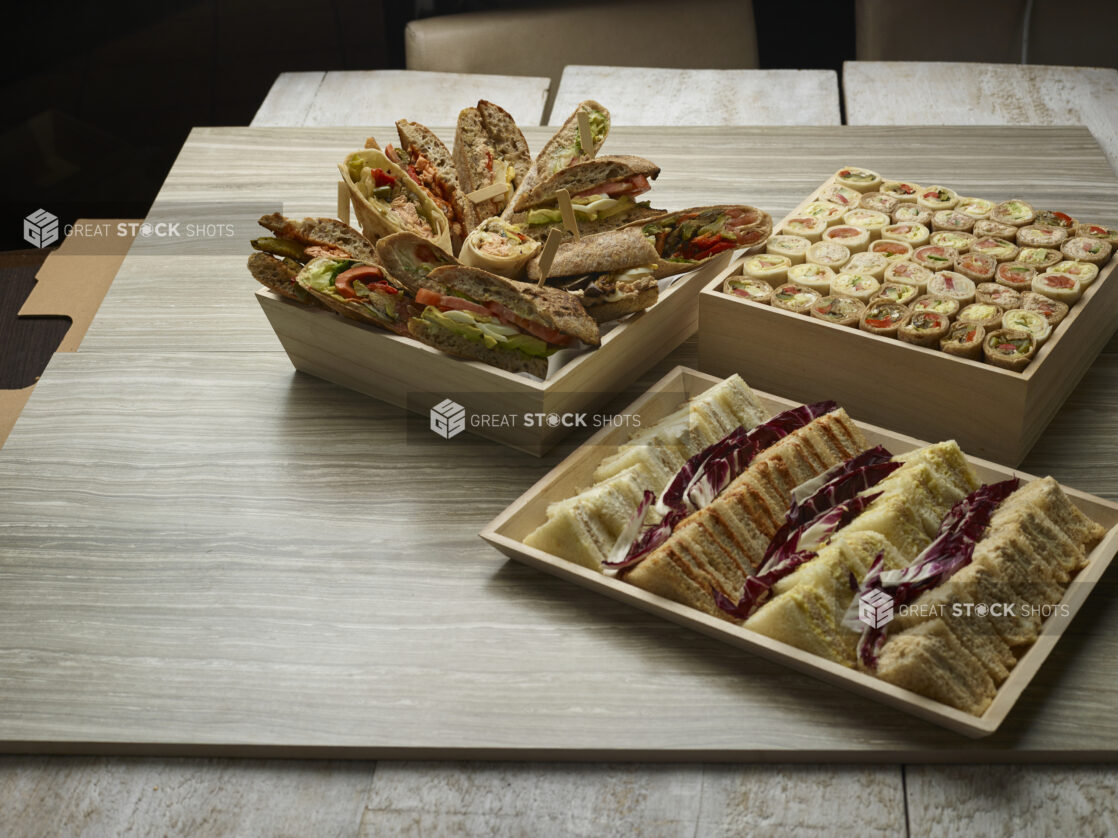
pixel 584 134
pixel 343 202
pixel 487 193
pixel 547 255
pixel 568 213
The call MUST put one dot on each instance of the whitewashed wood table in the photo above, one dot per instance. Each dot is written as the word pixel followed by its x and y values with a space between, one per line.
pixel 205 554
pixel 379 97
pixel 964 93
pixel 664 96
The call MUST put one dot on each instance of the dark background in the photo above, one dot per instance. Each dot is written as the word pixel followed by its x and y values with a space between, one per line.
pixel 98 99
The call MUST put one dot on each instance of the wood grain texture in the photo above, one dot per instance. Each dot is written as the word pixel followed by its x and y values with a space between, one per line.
pixel 662 96
pixel 1019 801
pixel 947 93
pixel 90 797
pixel 289 99
pixel 499 799
pixel 206 551
pixel 207 292
pixel 380 97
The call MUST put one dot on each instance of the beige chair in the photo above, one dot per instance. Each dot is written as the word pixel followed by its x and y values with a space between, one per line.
pixel 541 41
pixel 1078 32
pixel 946 30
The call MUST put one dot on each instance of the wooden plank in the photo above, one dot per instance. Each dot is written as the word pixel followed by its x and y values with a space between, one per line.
pixel 251 558
pixel 380 97
pixel 663 96
pixel 499 799
pixel 948 93
pixel 289 100
pixel 90 796
pixel 1001 800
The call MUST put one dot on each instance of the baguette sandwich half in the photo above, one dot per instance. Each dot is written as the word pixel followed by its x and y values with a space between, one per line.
pixel 611 272
pixel 603 196
pixel 424 157
pixel 490 149
pixel 278 259
pixel 481 316
pixel 564 149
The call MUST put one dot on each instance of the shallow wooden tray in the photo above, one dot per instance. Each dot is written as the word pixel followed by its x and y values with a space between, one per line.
pixel 509 408
pixel 992 412
pixel 508 530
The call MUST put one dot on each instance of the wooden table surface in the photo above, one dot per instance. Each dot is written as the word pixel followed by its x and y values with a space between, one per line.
pixel 204 553
pixel 970 93
pixel 668 96
pixel 371 97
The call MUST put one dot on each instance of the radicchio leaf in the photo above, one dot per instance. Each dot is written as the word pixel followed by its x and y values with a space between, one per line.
pixel 877 454
pixel 802 546
pixel 840 489
pixel 703 477
pixel 951 550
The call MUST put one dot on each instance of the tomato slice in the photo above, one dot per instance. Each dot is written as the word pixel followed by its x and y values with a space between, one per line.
pixel 343 282
pixel 433 298
pixel 493 309
pixel 544 333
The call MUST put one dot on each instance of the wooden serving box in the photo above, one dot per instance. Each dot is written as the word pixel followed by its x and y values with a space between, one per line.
pixel 409 374
pixel 990 411
pixel 509 529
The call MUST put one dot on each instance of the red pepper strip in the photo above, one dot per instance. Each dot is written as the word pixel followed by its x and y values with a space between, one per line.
pixel 343 282
pixel 879 324
pixel 382 178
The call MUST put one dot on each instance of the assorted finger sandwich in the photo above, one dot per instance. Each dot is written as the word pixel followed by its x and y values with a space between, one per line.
pixel 785 525
pixel 978 279
pixel 484 208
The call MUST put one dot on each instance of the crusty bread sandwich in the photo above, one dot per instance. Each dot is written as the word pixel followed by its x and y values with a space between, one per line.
pixel 611 272
pixel 481 316
pixel 424 157
pixel 564 149
pixel 602 190
pixel 358 290
pixel 276 260
pixel 490 149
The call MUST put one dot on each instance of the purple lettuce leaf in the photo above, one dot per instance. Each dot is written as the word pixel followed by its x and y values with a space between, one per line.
pixel 950 551
pixel 703 477
pixel 801 547
pixel 869 457
pixel 840 489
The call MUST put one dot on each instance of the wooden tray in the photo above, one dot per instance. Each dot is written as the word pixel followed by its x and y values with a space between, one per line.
pixel 508 530
pixel 990 411
pixel 409 374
